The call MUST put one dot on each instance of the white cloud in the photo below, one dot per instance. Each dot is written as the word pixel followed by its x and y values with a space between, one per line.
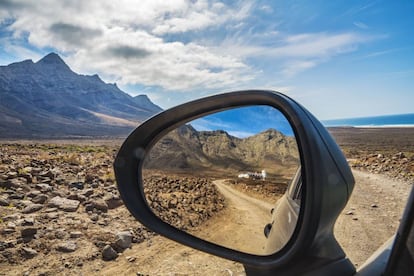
pixel 293 54
pixel 123 40
pixel 361 25
pixel 133 42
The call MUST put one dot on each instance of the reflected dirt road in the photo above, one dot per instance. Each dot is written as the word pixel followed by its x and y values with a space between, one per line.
pixel 241 224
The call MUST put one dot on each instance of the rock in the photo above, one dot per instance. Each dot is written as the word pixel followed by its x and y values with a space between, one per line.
pixel 66 247
pixel 48 174
pixel 28 252
pixel 94 217
pixel 44 187
pixel 40 199
pixel 27 221
pixel 6 244
pixel 123 239
pixel 33 193
pixel 75 234
pixel 130 259
pixel 7 231
pixel 113 202
pixel 16 195
pixel 87 193
pixel 11 175
pixel 108 253
pixel 76 196
pixel 27 176
pixel 32 208
pixel 89 178
pixel 349 213
pixel 77 185
pixel 61 234
pixel 12 217
pixel 68 205
pixel 98 205
pixel 11 225
pixel 374 205
pixel 4 202
pixel 28 231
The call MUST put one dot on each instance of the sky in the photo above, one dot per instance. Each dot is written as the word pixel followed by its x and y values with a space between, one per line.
pixel 244 122
pixel 339 59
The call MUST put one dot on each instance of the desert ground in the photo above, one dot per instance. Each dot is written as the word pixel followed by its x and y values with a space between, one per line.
pixel 61 214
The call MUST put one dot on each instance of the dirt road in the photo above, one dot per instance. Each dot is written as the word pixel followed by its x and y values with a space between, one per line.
pixel 370 218
pixel 372 214
pixel 241 225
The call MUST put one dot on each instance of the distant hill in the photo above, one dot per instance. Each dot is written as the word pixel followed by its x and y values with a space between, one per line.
pixel 186 148
pixel 47 99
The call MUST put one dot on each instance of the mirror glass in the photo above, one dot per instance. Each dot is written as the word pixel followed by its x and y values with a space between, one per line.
pixel 229 178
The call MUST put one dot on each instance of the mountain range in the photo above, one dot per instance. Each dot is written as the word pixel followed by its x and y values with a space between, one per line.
pixel 185 148
pixel 46 99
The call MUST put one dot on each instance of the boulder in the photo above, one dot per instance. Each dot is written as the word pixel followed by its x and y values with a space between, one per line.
pixel 68 205
pixel 108 253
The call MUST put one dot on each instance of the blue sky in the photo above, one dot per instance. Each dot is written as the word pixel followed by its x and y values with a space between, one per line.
pixel 245 121
pixel 339 59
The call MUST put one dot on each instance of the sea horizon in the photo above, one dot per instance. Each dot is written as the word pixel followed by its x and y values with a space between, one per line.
pixel 384 121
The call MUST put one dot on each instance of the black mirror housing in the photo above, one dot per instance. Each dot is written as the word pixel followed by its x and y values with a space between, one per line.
pixel 327 179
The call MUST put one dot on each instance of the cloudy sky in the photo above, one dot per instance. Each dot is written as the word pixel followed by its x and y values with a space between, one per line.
pixel 349 59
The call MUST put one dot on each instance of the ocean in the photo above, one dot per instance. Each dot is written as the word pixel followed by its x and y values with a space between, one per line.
pixel 402 120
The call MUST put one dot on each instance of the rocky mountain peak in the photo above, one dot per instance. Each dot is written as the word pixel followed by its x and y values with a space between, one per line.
pixel 52 58
pixel 53 63
pixel 48 99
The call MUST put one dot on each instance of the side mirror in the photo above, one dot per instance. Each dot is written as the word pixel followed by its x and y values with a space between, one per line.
pixel 153 165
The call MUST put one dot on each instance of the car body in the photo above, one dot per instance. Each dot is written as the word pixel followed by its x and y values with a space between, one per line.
pixel 284 215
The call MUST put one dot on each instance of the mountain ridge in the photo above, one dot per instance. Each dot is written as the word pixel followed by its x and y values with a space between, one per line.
pixel 47 99
pixel 185 148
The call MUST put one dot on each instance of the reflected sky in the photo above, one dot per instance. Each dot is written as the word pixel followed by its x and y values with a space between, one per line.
pixel 243 122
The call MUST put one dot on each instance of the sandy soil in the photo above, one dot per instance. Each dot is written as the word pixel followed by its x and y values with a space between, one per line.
pixel 372 214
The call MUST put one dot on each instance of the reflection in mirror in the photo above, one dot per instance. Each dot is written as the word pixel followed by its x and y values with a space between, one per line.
pixel 224 178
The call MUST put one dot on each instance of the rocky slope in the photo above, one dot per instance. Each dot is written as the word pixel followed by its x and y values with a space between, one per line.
pixel 48 99
pixel 60 208
pixel 187 148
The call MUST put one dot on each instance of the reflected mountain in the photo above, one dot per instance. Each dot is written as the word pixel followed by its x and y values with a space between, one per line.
pixel 185 148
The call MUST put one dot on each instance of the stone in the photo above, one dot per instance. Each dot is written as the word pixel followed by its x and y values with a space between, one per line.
pixel 28 252
pixel 28 231
pixel 108 253
pixel 68 205
pixel 113 202
pixel 60 234
pixel 16 195
pixel 7 231
pixel 66 247
pixel 75 234
pixel 123 239
pixel 98 205
pixel 4 202
pixel 87 193
pixel 44 187
pixel 40 199
pixel 94 217
pixel 31 208
pixel 77 185
pixel 27 221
